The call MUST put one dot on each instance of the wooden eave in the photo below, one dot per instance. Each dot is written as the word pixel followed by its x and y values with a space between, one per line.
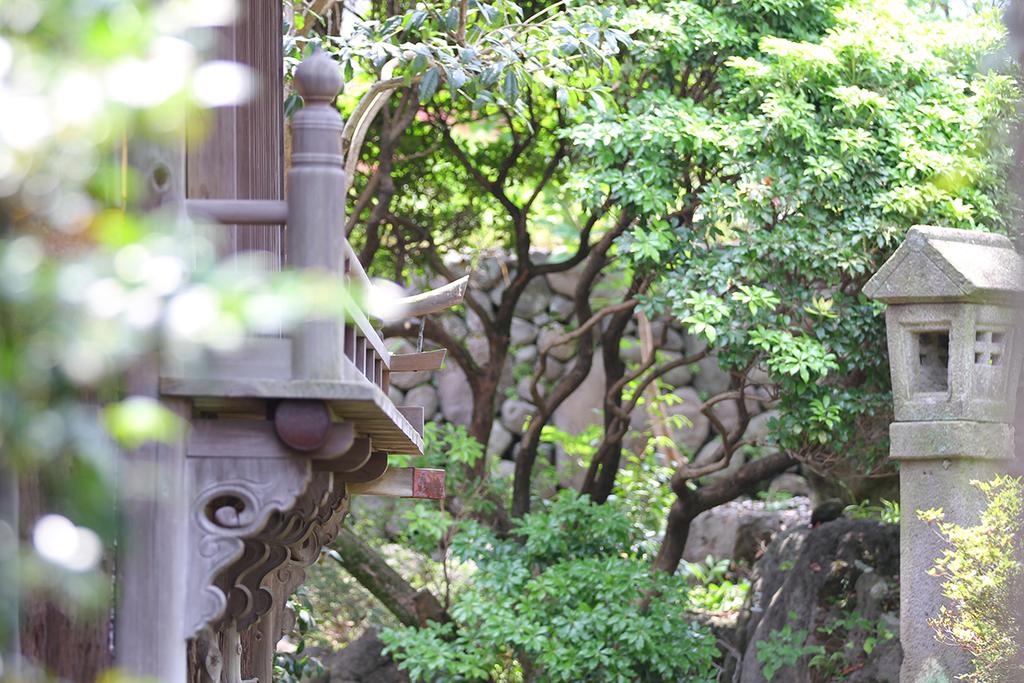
pixel 359 402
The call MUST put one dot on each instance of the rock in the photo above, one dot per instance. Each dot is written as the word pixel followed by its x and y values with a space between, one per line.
pixel 789 482
pixel 506 469
pixel 497 291
pixel 741 530
pixel 396 395
pixel 610 288
pixel 629 350
pixel 692 437
pixel 500 439
pixel 478 348
pixel 562 352
pixel 424 395
pixel 673 337
pixel 554 369
pixel 408 380
pixel 514 413
pixel 562 308
pixel 565 282
pixel 473 322
pixel 525 356
pixel 729 414
pixel 454 325
pixel 711 379
pixel 522 332
pixel 758 427
pixel 486 274
pixel 534 299
pixel 523 388
pixel 455 395
pixel 705 454
pixel 814 578
pixel 583 407
pixel 399 345
pixel 677 377
pixel 362 661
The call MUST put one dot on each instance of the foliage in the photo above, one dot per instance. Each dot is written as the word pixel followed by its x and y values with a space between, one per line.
pixel 93 286
pixel 564 604
pixel 836 648
pixel 781 169
pixel 784 647
pixel 297 666
pixel 888 512
pixel 712 591
pixel 982 572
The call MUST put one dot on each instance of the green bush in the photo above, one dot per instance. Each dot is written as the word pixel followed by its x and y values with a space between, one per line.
pixel 567 604
pixel 983 574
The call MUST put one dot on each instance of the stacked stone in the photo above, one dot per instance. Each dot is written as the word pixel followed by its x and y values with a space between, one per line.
pixel 545 311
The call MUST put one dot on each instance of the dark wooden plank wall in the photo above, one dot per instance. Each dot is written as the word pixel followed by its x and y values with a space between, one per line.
pixel 240 152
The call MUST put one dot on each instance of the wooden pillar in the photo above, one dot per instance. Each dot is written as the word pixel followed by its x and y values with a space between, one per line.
pixel 10 600
pixel 316 208
pixel 149 638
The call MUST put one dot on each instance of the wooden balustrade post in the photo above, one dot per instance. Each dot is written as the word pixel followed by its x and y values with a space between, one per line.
pixel 316 208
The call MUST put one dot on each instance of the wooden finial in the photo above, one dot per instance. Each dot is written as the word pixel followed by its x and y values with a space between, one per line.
pixel 318 79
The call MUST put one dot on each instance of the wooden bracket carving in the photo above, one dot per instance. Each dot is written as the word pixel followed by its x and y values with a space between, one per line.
pixel 232 499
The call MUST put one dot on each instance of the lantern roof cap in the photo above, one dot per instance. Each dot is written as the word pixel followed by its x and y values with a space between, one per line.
pixel 936 265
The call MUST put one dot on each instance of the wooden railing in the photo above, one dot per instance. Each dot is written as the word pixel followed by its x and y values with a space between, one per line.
pixel 314 212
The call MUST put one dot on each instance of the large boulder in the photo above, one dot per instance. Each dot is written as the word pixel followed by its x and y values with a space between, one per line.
pixel 836 585
pixel 742 529
pixel 361 661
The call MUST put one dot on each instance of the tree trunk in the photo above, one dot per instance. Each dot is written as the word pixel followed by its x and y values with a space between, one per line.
pixel 689 504
pixel 410 606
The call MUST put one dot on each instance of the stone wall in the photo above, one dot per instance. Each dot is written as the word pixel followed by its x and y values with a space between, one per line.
pixel 544 310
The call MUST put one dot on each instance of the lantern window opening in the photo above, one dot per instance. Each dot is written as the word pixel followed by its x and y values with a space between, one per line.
pixel 932 372
pixel 989 347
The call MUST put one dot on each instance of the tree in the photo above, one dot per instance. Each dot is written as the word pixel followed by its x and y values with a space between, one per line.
pixel 747 167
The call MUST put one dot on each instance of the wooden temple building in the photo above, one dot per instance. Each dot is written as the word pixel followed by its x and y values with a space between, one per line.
pixel 220 525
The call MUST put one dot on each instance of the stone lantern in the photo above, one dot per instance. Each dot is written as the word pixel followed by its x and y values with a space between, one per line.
pixel 954 299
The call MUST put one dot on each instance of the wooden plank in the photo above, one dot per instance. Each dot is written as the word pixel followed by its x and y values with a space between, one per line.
pixel 416 362
pixel 403 482
pixel 376 466
pixel 353 460
pixel 257 357
pixel 414 414
pixel 260 123
pixel 435 300
pixel 359 319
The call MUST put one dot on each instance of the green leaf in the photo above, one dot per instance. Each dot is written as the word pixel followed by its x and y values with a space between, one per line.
pixel 428 84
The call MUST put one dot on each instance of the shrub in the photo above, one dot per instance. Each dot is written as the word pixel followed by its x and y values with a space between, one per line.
pixel 982 573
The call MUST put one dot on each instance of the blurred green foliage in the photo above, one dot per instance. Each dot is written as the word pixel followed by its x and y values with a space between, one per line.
pixel 982 572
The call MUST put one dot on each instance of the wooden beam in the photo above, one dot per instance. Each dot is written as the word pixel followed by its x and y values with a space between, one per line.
pixel 404 482
pixel 416 362
pixel 229 438
pixel 243 211
pixel 414 415
pixel 435 300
